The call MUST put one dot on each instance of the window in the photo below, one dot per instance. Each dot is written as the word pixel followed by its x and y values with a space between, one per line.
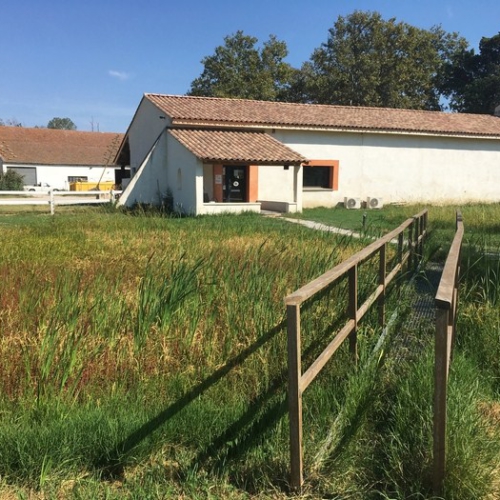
pixel 321 174
pixel 317 177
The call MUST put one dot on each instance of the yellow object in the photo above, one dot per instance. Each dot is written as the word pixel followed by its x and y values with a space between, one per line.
pixel 91 186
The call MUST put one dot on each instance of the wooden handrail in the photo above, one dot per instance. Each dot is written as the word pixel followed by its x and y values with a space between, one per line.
pixel 444 295
pixel 446 309
pixel 298 381
pixel 307 291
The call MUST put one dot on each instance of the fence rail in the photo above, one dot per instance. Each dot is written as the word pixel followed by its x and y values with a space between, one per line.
pixel 446 310
pixel 407 252
pixel 53 198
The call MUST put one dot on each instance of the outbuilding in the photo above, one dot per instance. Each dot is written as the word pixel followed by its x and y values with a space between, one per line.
pixel 211 155
pixel 56 158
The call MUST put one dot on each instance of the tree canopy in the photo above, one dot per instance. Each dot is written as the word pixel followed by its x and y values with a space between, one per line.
pixel 372 62
pixel 472 81
pixel 365 60
pixel 240 69
pixel 61 123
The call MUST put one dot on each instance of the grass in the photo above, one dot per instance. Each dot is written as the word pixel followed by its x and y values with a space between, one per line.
pixel 145 357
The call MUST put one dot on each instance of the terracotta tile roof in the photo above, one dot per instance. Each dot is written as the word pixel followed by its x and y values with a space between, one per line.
pixel 239 112
pixel 43 146
pixel 238 146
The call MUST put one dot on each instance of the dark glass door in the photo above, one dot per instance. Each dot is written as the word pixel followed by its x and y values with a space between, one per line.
pixel 234 184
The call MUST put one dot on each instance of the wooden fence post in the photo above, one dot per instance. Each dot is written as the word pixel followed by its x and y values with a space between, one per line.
pixel 51 202
pixel 295 394
pixel 441 367
pixel 411 246
pixel 353 310
pixel 381 279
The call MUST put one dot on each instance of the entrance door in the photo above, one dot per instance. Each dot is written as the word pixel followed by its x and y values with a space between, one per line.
pixel 234 187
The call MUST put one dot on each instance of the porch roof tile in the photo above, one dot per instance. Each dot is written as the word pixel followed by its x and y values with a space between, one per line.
pixel 257 148
pixel 211 111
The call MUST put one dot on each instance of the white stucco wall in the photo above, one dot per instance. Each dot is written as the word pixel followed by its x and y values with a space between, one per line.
pixel 145 128
pixel 149 184
pixel 56 176
pixel 276 183
pixel 402 168
pixel 184 177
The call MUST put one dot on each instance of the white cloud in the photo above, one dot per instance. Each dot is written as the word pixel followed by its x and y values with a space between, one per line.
pixel 121 75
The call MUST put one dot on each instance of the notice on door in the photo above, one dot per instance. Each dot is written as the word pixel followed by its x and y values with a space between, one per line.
pixel 218 179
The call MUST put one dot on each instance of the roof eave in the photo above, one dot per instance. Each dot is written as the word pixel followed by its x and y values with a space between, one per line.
pixel 311 128
pixel 247 161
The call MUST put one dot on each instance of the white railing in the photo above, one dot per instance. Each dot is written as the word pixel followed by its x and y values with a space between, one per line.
pixel 53 198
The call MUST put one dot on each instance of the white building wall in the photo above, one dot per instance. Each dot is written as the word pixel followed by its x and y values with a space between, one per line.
pixel 184 177
pixel 276 183
pixel 149 184
pixel 402 168
pixel 56 176
pixel 145 128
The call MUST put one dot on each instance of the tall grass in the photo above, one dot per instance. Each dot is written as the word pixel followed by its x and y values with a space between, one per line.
pixel 144 356
pixel 126 339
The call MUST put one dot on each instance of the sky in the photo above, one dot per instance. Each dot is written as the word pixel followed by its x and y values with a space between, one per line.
pixel 92 60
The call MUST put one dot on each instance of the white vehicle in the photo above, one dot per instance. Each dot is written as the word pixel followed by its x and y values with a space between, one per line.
pixel 42 187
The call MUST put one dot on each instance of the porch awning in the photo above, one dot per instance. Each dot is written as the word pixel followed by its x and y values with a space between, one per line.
pixel 222 146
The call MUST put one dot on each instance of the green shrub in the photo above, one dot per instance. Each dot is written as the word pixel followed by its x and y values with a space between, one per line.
pixel 11 181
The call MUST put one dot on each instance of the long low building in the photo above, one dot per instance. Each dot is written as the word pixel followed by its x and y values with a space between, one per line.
pixel 56 158
pixel 210 155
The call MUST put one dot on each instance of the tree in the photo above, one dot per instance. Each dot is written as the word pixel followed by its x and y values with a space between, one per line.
pixel 61 123
pixel 472 80
pixel 11 122
pixel 11 181
pixel 240 69
pixel 369 61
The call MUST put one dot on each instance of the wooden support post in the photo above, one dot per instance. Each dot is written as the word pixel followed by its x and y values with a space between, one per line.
pixel 295 395
pixel 353 310
pixel 51 202
pixel 416 243
pixel 400 262
pixel 381 279
pixel 411 247
pixel 440 382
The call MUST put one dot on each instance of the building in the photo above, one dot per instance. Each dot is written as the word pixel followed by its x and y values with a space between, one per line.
pixel 212 155
pixel 56 158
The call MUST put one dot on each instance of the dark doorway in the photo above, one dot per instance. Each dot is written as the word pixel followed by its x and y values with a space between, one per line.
pixel 234 187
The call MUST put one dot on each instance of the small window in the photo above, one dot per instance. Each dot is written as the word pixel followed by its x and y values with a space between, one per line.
pixel 321 174
pixel 317 177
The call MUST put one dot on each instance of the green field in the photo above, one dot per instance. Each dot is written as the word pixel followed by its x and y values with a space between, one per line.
pixel 144 356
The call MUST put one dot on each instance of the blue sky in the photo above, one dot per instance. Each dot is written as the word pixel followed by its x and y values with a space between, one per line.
pixel 92 60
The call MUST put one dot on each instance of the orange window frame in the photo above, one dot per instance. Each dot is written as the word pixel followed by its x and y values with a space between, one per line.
pixel 334 176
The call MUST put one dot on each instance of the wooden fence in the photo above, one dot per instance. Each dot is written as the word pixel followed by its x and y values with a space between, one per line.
pixel 409 251
pixel 446 310
pixel 53 198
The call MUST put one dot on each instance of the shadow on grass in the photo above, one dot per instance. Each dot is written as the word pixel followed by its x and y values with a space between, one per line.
pixel 111 465
pixel 244 434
